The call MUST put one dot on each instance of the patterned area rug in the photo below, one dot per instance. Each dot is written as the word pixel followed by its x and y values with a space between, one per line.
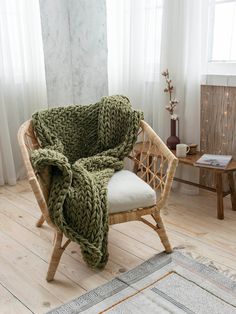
pixel 164 284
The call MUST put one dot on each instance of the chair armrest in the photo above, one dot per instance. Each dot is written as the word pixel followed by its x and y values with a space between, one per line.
pixel 28 143
pixel 154 162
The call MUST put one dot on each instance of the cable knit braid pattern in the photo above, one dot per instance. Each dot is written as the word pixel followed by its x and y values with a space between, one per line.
pixel 84 146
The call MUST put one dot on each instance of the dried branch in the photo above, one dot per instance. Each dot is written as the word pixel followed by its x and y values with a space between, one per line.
pixel 170 89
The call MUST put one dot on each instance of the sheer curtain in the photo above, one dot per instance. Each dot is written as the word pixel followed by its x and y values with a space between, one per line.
pixel 146 37
pixel 22 78
pixel 181 51
pixel 134 39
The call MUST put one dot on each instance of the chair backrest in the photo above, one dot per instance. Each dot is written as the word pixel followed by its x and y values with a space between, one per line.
pixel 152 161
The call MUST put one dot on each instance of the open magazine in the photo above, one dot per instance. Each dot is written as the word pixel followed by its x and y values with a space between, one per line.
pixel 213 161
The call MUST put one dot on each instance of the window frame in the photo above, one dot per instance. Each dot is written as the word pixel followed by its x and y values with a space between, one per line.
pixel 214 67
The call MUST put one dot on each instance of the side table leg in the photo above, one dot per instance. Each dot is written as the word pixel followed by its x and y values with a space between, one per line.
pixel 232 190
pixel 219 192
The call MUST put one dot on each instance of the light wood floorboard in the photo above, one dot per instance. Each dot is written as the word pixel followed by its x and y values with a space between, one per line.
pixel 25 249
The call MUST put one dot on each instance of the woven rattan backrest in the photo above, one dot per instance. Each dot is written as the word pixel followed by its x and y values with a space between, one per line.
pixel 153 161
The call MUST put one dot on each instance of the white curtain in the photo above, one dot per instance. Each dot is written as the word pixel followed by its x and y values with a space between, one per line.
pixel 22 78
pixel 146 37
pixel 134 38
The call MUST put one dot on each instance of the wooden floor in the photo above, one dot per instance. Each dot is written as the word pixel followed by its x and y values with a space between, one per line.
pixel 25 249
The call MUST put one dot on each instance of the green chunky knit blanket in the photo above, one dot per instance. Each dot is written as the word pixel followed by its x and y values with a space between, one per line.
pixel 84 145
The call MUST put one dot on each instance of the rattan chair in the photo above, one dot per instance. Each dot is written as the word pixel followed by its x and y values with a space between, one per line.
pixel 151 160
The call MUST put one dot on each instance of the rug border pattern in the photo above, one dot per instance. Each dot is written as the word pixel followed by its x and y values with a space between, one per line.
pixel 132 276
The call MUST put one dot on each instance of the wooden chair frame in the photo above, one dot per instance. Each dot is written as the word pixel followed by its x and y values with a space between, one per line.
pixel 152 161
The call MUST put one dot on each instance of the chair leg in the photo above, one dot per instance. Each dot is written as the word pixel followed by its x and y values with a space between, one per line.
pixel 160 229
pixel 40 221
pixel 56 256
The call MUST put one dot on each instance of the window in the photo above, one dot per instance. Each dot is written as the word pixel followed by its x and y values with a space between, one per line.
pixel 222 37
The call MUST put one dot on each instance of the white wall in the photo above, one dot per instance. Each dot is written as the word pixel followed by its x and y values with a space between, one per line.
pixel 75 50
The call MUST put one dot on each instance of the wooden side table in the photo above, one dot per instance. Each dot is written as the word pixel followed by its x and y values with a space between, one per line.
pixel 218 175
pixel 190 160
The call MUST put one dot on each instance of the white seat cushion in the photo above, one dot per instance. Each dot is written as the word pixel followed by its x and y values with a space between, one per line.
pixel 127 191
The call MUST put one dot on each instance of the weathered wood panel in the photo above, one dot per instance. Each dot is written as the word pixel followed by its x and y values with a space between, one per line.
pixel 218 123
